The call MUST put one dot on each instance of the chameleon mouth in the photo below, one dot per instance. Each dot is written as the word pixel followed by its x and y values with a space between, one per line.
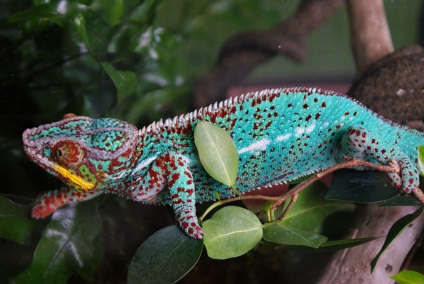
pixel 80 182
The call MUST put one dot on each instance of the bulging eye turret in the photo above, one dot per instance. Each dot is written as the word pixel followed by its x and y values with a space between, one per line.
pixel 68 154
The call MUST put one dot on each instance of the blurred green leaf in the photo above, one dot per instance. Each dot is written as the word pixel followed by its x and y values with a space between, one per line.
pixel 408 277
pixel 361 186
pixel 71 243
pixel 230 232
pixel 145 12
pixel 395 230
pixel 15 221
pixel 155 103
pixel 165 257
pixel 421 159
pixel 311 208
pixel 80 24
pixel 217 152
pixel 110 10
pixel 125 81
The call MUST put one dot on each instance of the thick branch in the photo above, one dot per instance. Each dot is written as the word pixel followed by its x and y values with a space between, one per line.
pixel 370 35
pixel 245 51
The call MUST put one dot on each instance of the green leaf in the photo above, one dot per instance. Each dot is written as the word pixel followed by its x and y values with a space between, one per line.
pixel 408 277
pixel 311 208
pixel 217 152
pixel 165 257
pixel 232 231
pixel 395 230
pixel 110 10
pixel 15 221
pixel 286 235
pixel 349 243
pixel 361 186
pixel 125 81
pixel 80 27
pixel 330 246
pixel 71 243
pixel 421 159
pixel 402 200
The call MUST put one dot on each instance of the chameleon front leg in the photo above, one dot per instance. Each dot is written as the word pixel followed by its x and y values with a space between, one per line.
pixel 48 202
pixel 181 187
pixel 360 143
pixel 170 169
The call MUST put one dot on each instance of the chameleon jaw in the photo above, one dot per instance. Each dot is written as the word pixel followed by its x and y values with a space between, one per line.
pixel 80 182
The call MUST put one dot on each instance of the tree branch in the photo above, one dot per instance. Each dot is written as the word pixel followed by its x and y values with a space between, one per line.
pixel 245 51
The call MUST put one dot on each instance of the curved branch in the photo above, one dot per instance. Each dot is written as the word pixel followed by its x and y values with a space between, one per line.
pixel 247 50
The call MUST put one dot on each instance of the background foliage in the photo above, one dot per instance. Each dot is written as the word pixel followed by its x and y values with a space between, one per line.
pixel 134 60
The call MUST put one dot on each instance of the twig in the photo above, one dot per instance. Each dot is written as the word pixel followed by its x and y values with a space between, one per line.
pixel 292 201
pixel 392 167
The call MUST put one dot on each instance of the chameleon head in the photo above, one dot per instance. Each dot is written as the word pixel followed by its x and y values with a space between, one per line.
pixel 84 153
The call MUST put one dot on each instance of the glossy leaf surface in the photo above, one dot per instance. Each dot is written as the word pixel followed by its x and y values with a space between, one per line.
pixel 232 231
pixel 165 257
pixel 361 186
pixel 217 152
pixel 71 243
pixel 408 277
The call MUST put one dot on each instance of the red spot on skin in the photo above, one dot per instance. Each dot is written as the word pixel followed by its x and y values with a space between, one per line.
pixel 308 117
pixel 174 178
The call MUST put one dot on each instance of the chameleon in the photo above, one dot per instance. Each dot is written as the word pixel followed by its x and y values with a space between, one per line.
pixel 280 136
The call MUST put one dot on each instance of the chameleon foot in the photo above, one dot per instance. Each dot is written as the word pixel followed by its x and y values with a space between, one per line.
pixel 187 220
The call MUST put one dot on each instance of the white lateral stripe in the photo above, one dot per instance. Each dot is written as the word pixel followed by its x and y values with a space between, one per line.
pixel 143 164
pixel 283 137
pixel 259 145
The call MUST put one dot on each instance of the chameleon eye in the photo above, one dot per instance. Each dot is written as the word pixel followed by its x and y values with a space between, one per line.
pixel 69 154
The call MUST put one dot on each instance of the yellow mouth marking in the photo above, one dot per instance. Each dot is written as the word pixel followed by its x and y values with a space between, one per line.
pixel 84 185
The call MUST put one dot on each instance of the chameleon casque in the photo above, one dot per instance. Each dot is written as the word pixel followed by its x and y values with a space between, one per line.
pixel 280 135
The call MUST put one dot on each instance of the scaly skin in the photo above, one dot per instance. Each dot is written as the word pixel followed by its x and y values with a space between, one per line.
pixel 280 136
